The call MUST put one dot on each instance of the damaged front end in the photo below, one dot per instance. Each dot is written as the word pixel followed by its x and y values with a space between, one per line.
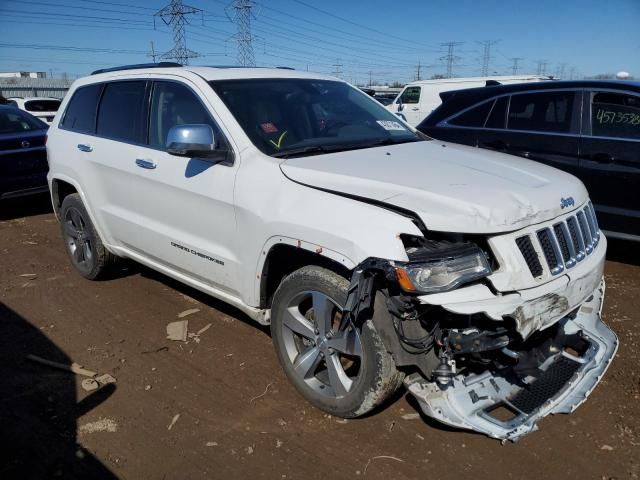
pixel 479 359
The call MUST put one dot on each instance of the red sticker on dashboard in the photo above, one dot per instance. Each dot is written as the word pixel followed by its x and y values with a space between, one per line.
pixel 268 127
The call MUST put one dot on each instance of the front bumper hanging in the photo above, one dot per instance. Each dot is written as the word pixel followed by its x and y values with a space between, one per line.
pixel 565 380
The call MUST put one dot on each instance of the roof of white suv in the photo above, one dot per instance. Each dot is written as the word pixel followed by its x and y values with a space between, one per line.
pixel 206 72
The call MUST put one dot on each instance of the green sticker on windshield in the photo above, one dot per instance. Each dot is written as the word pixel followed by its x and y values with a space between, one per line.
pixel 277 145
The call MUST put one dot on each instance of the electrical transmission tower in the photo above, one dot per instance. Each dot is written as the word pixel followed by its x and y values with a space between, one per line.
pixel 175 15
pixel 486 56
pixel 542 67
pixel 515 67
pixel 418 76
pixel 338 68
pixel 240 13
pixel 450 57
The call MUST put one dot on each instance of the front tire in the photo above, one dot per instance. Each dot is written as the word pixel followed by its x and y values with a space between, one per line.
pixel 86 251
pixel 345 373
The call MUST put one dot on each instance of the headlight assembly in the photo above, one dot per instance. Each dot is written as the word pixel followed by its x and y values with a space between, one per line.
pixel 441 266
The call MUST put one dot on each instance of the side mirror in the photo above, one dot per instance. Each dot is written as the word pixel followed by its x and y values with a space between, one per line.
pixel 197 140
pixel 400 105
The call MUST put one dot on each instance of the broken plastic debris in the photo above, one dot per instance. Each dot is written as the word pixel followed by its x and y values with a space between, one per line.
pixel 93 382
pixel 411 416
pixel 89 384
pixel 173 421
pixel 74 367
pixel 178 330
pixel 102 425
pixel 105 378
pixel 191 311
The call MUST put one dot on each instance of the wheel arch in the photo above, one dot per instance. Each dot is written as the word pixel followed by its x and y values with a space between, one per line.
pixel 61 187
pixel 281 256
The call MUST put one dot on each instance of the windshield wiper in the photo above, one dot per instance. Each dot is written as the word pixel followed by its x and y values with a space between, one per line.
pixel 303 151
pixel 316 149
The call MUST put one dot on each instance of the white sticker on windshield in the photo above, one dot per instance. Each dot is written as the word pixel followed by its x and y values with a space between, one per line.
pixel 390 125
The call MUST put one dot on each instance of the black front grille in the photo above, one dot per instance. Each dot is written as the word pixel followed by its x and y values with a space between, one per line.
pixel 547 386
pixel 544 237
pixel 563 245
pixel 562 242
pixel 530 255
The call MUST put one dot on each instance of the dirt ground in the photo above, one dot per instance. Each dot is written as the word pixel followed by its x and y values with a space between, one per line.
pixel 238 415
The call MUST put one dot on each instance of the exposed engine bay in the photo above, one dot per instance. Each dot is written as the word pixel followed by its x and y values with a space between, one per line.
pixel 497 376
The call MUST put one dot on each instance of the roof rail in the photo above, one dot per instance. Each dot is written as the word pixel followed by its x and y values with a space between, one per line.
pixel 137 66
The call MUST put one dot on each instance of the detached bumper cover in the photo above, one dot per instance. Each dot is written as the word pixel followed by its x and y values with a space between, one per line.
pixel 566 382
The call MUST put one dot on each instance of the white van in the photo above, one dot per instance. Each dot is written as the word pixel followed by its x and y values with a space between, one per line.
pixel 419 99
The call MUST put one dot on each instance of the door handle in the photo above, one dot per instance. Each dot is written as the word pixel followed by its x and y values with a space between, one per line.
pixel 602 158
pixel 496 145
pixel 148 164
pixel 83 147
pixel 415 109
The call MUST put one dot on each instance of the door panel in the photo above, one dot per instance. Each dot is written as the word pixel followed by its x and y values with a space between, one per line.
pixel 185 205
pixel 540 126
pixel 611 159
pixel 109 156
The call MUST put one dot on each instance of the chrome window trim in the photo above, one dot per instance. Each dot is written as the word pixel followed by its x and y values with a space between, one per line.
pixel 152 81
pixel 583 128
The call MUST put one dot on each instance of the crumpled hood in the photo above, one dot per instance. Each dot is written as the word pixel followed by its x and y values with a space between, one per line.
pixel 453 188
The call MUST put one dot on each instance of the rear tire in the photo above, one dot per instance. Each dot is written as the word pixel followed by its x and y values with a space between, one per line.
pixel 86 251
pixel 345 373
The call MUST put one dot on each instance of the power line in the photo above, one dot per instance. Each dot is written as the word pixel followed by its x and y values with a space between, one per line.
pixel 515 67
pixel 450 57
pixel 542 67
pixel 174 15
pixel 338 68
pixel 486 56
pixel 241 15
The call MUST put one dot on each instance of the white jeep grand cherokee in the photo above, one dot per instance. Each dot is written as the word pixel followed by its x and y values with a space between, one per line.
pixel 376 255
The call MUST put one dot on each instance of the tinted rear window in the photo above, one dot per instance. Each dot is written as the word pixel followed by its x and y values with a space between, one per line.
pixel 541 112
pixel 473 117
pixel 42 105
pixel 14 121
pixel 615 115
pixel 121 115
pixel 80 115
pixel 498 113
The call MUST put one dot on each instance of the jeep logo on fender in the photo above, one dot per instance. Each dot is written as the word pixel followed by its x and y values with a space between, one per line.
pixel 567 202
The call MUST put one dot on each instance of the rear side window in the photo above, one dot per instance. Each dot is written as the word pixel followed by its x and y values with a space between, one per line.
pixel 474 117
pixel 615 115
pixel 541 112
pixel 410 95
pixel 42 105
pixel 498 114
pixel 122 113
pixel 80 115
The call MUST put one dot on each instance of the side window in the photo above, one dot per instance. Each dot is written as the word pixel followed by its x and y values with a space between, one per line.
pixel 541 112
pixel 615 115
pixel 410 95
pixel 498 115
pixel 80 115
pixel 174 104
pixel 121 115
pixel 474 117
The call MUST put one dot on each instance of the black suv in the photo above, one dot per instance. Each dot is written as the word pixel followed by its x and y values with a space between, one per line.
pixel 588 128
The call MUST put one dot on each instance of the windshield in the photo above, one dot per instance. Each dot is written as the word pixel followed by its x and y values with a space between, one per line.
pixel 286 117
